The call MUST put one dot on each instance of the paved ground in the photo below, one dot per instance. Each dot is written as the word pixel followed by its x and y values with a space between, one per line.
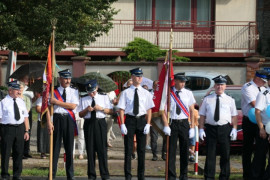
pixel 154 169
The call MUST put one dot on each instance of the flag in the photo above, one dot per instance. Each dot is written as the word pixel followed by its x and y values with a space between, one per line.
pixel 161 92
pixel 47 80
pixel 12 59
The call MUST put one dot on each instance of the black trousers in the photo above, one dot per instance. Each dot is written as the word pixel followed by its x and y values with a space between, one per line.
pixel 258 163
pixel 95 133
pixel 153 143
pixel 63 128
pixel 214 135
pixel 249 135
pixel 12 138
pixel 135 126
pixel 179 130
pixel 27 143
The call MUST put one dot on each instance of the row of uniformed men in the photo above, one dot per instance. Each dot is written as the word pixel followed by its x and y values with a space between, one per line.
pixel 217 112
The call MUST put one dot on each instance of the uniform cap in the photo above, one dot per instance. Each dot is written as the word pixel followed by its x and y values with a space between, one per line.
pixel 14 85
pixel 91 86
pixel 220 79
pixel 65 73
pixel 136 71
pixel 180 76
pixel 264 75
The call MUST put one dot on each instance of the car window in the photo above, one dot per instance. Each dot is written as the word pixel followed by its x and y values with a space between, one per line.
pixel 236 94
pixel 197 83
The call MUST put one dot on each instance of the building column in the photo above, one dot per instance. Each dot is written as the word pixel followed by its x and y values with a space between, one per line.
pixel 78 65
pixel 253 64
pixel 2 59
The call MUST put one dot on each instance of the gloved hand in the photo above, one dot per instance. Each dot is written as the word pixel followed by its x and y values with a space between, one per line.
pixel 202 134
pixel 146 129
pixel 233 134
pixel 123 129
pixel 191 132
pixel 167 130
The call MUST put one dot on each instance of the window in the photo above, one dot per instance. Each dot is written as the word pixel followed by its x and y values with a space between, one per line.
pixel 197 83
pixel 180 13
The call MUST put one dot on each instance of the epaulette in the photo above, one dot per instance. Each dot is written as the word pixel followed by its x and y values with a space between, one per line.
pixel 248 84
pixel 102 93
pixel 74 87
pixel 265 92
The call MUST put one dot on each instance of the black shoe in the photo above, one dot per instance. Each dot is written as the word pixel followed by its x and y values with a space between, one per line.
pixel 155 158
pixel 16 178
pixel 191 159
pixel 164 157
pixel 28 155
pixel 24 157
pixel 133 156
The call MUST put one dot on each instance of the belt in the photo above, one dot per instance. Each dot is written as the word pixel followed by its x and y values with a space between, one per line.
pixel 95 118
pixel 136 117
pixel 11 125
pixel 178 120
pixel 62 114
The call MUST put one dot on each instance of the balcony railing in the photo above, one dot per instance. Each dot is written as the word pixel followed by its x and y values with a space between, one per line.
pixel 213 36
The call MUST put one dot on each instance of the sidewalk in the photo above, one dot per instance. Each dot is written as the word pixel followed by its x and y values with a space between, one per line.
pixel 116 160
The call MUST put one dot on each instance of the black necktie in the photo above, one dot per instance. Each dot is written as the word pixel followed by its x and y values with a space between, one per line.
pixel 178 110
pixel 64 95
pixel 16 110
pixel 259 89
pixel 93 113
pixel 136 103
pixel 216 116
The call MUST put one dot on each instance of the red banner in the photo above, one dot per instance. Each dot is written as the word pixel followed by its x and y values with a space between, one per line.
pixel 47 81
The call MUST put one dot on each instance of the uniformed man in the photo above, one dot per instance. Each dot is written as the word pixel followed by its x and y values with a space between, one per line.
pixel 249 92
pixel 182 106
pixel 217 112
pixel 136 102
pixel 64 124
pixel 262 144
pixel 93 109
pixel 14 130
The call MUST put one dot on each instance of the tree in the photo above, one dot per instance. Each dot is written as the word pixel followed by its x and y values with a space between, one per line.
pixel 25 25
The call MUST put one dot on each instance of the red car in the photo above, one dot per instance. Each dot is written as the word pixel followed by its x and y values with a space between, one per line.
pixel 236 146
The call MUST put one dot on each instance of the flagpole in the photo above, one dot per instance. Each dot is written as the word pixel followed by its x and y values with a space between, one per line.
pixel 168 103
pixel 54 21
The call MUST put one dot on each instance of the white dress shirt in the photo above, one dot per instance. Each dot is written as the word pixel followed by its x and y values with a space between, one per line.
pixel 249 93
pixel 100 99
pixel 188 100
pixel 7 111
pixel 39 103
pixel 72 96
pixel 227 109
pixel 262 101
pixel 126 100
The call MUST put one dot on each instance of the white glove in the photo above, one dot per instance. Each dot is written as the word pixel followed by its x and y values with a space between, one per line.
pixel 233 134
pixel 202 134
pixel 167 130
pixel 191 132
pixel 146 129
pixel 123 129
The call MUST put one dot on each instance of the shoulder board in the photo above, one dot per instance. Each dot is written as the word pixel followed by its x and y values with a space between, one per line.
pixel 102 93
pixel 265 92
pixel 208 95
pixel 74 87
pixel 229 95
pixel 248 84
pixel 188 89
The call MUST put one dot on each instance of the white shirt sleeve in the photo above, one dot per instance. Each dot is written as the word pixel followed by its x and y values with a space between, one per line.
pixel 260 102
pixel 39 101
pixel 122 103
pixel 107 102
pixel 202 110
pixel 75 98
pixel 248 95
pixel 233 108
pixel 191 99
